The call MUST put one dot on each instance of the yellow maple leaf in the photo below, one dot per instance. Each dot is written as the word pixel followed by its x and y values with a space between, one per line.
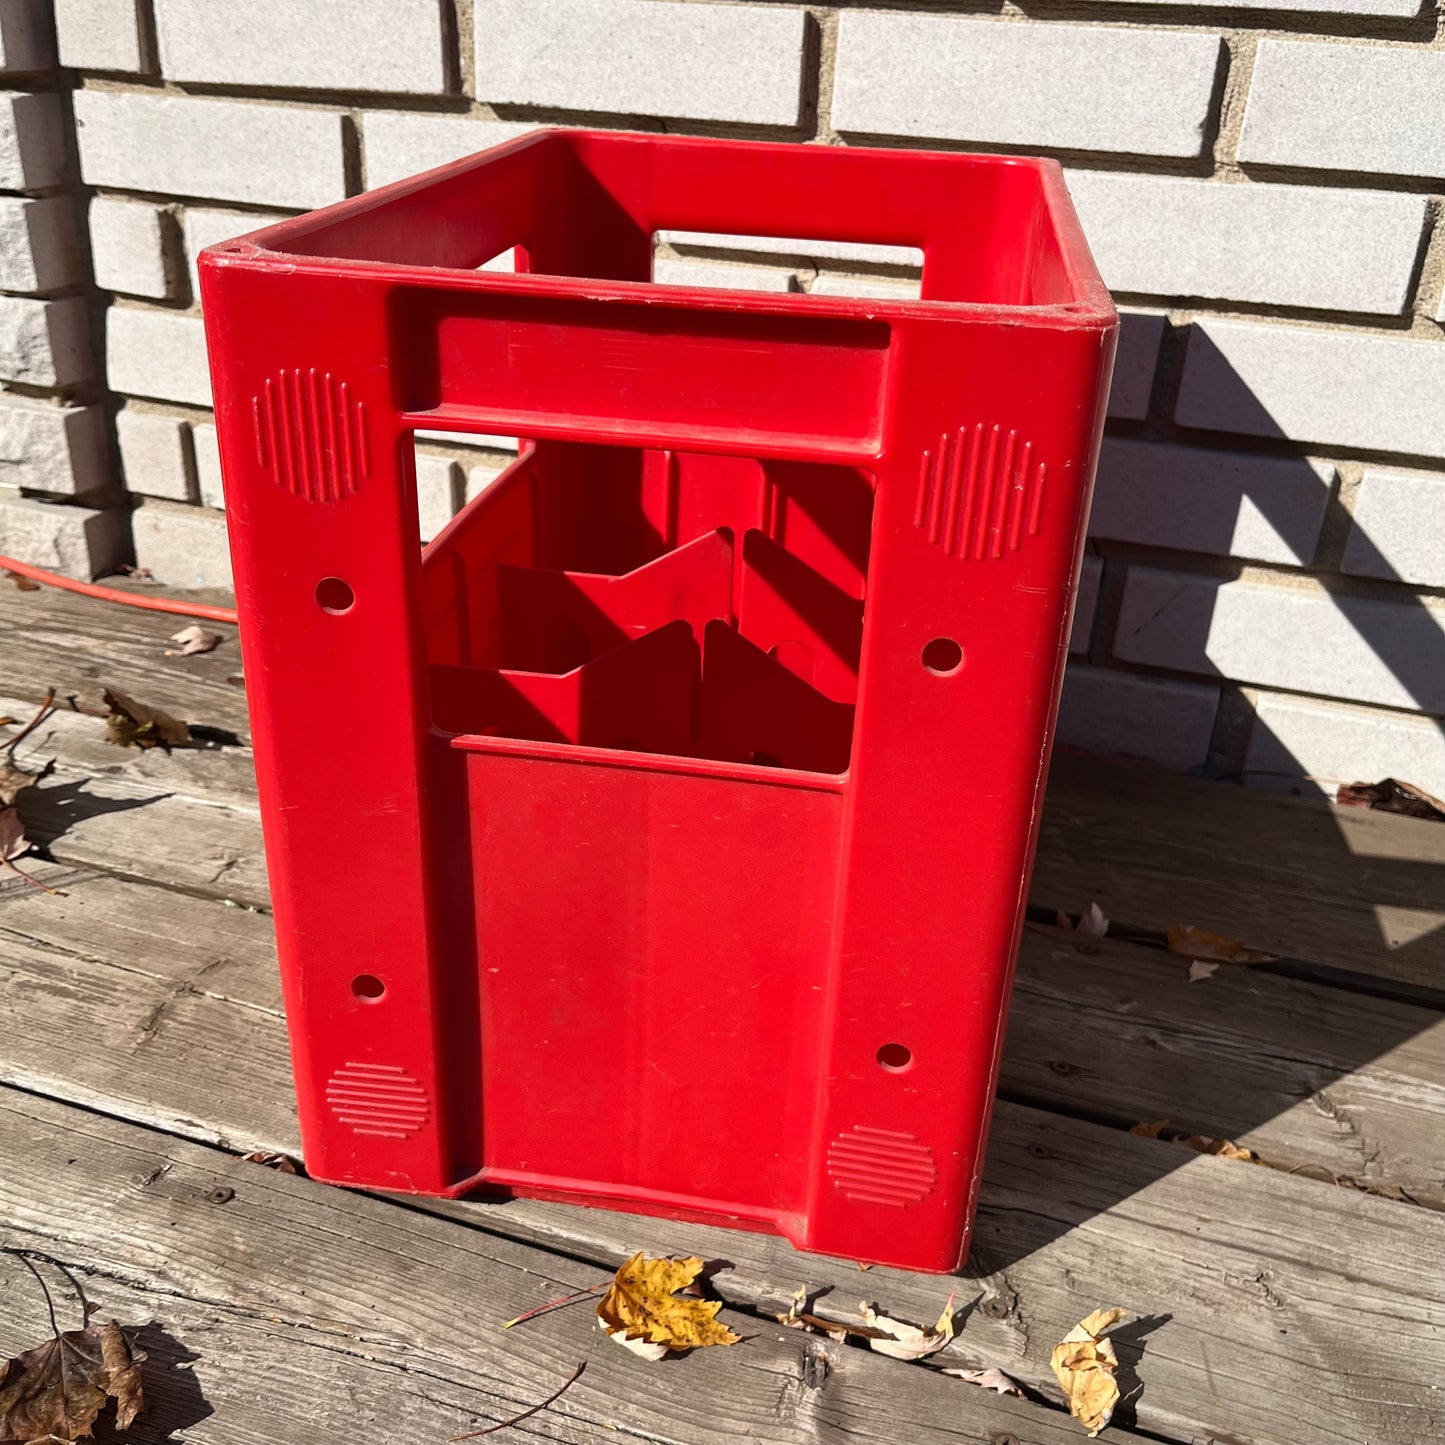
pixel 1084 1365
pixel 643 1304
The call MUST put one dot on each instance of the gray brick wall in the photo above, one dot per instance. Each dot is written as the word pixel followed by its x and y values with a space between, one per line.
pixel 1262 181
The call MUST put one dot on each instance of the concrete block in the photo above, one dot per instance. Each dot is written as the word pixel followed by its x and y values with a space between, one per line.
pixel 1086 605
pixel 202 227
pixel 56 449
pixel 479 478
pixel 208 465
pixel 1299 745
pixel 351 45
pixel 1145 719
pixel 997 82
pixel 1345 388
pixel 45 343
pixel 1140 335
pixel 32 141
pixel 1398 530
pixel 74 541
pixel 872 288
pixel 1399 9
pixel 1373 108
pixel 182 546
pixel 1312 246
pixel 130 248
pixel 160 354
pixel 643 57
pixel 99 35
pixel 398 144
pixel 790 247
pixel 469 439
pixel 438 482
pixel 37 245
pixel 1230 504
pixel 27 37
pixel 720 275
pixel 1291 635
pixel 153 455
pixel 276 155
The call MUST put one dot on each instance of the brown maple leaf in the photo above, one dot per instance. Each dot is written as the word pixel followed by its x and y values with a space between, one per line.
pixel 55 1391
pixel 132 724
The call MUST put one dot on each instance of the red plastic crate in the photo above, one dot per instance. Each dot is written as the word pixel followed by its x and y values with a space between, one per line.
pixel 660 839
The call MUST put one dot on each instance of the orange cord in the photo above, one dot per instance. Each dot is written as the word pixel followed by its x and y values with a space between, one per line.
pixel 114 594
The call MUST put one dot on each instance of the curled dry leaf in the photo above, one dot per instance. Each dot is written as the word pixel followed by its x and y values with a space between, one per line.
pixel 281 1163
pixel 1200 1143
pixel 642 1308
pixel 1391 795
pixel 193 639
pixel 1084 1364
pixel 55 1391
pixel 13 778
pixel 902 1340
pixel 1152 1130
pixel 13 842
pixel 22 582
pixel 1224 1148
pixel 132 724
pixel 1193 942
pixel 1092 922
pixel 994 1380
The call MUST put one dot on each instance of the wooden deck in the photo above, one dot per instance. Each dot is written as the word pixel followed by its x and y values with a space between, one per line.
pixel 142 1051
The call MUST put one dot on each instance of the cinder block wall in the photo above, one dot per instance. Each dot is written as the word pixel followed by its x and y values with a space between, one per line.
pixel 1264 595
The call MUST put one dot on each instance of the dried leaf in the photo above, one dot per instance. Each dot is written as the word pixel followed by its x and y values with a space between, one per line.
pixel 13 842
pixel 1092 923
pixel 1200 969
pixel 22 582
pixel 55 1391
pixel 1200 1143
pixel 193 639
pixel 1150 1131
pixel 281 1163
pixel 994 1380
pixel 793 1319
pixel 904 1341
pixel 1391 795
pixel 1193 942
pixel 1225 1148
pixel 1084 1364
pixel 643 1306
pixel 647 1349
pixel 132 724
pixel 13 781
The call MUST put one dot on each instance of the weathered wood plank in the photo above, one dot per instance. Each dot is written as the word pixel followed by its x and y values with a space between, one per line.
pixel 1312 882
pixel 1345 887
pixel 1073 1215
pixel 318 1315
pixel 80 646
pixel 1311 1077
pixel 186 818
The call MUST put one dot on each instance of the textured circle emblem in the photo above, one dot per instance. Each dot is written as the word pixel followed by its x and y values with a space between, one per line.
pixel 881 1166
pixel 381 1100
